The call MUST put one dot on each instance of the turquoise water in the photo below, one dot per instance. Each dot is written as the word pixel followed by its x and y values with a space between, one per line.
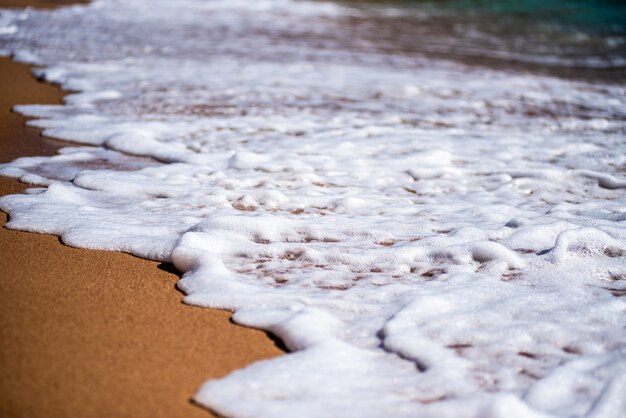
pixel 571 38
pixel 599 15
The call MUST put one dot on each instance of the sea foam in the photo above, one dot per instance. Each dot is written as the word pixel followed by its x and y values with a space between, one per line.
pixel 427 238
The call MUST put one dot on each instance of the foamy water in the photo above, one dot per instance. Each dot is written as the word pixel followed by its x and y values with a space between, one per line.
pixel 427 237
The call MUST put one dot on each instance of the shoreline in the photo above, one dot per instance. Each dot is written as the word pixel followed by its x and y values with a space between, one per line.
pixel 94 333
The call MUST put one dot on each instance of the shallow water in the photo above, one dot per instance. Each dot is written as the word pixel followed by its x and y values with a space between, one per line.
pixel 566 38
pixel 430 213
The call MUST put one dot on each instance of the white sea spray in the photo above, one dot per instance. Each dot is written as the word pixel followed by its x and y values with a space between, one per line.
pixel 427 238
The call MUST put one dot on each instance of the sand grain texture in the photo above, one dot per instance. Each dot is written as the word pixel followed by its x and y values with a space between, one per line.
pixel 96 334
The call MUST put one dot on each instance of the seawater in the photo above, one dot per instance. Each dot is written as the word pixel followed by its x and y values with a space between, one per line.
pixel 604 16
pixel 429 211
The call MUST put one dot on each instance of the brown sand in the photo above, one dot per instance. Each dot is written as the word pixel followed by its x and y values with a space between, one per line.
pixel 39 4
pixel 97 334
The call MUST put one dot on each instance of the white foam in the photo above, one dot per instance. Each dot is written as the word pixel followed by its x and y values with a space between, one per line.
pixel 429 239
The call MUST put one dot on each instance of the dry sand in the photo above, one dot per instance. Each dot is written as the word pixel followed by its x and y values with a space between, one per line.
pixel 96 334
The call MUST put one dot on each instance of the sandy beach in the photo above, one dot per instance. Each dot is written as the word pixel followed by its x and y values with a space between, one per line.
pixel 421 202
pixel 87 333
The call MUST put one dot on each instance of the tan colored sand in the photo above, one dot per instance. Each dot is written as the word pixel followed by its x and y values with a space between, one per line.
pixel 97 334
pixel 40 4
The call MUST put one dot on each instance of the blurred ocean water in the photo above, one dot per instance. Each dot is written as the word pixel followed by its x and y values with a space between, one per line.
pixel 603 16
pixel 572 38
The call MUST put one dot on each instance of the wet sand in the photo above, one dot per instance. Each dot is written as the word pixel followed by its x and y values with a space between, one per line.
pixel 96 334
